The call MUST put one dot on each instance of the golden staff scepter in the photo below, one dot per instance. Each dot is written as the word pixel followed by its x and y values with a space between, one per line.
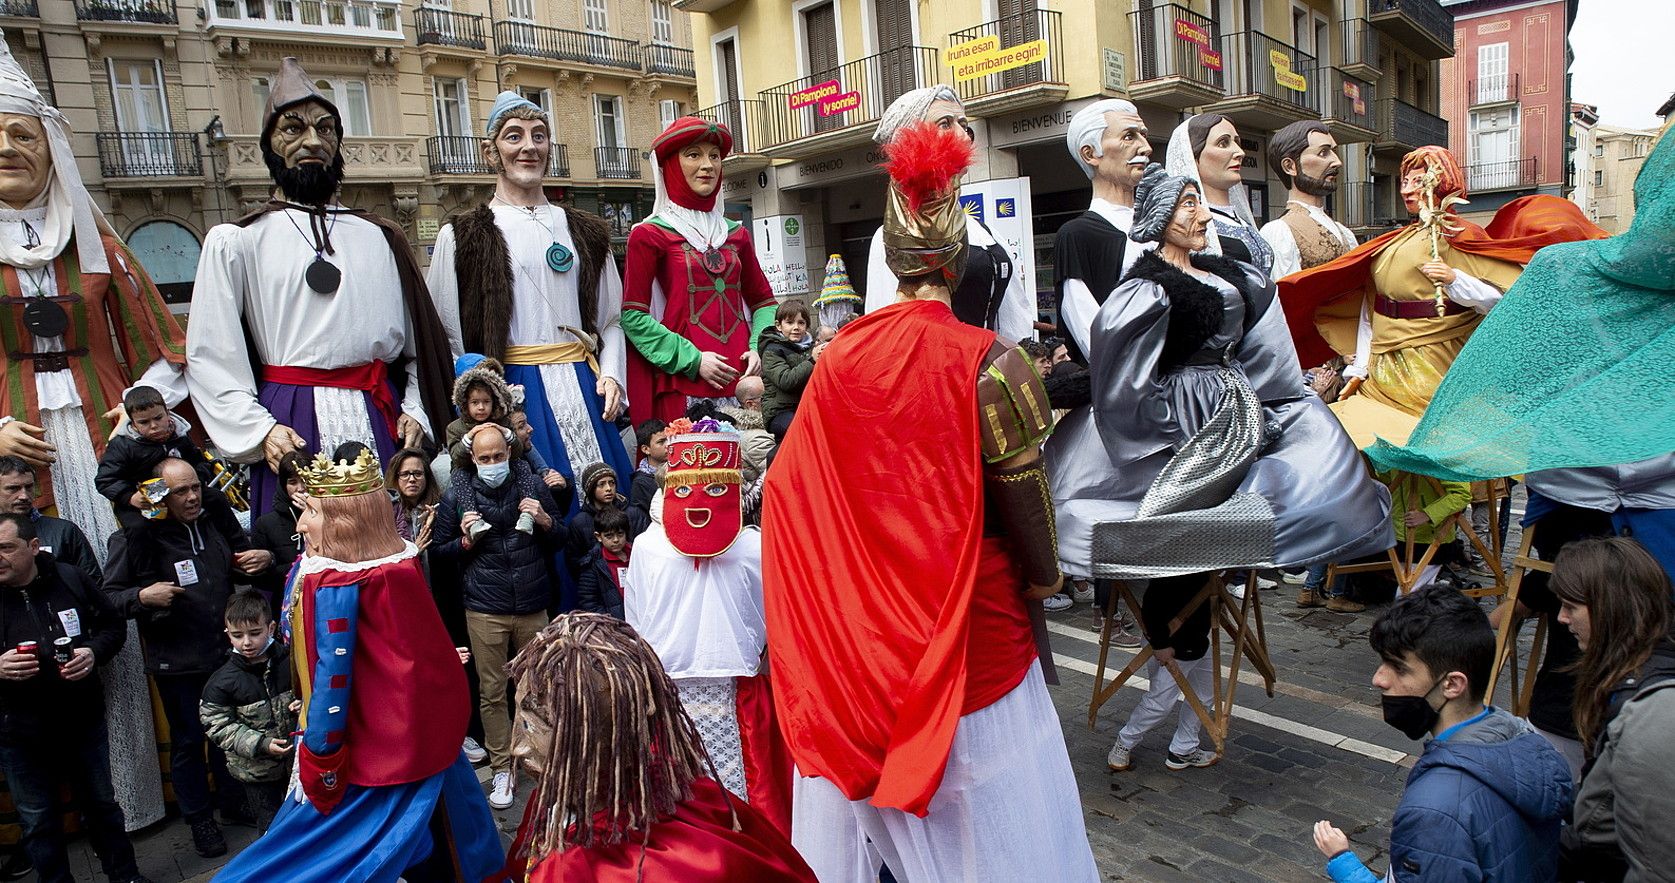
pixel 1435 219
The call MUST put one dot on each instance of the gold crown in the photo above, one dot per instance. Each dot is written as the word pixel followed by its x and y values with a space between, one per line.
pixel 323 478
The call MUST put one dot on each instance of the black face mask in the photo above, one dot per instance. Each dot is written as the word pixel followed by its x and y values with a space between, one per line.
pixel 1412 715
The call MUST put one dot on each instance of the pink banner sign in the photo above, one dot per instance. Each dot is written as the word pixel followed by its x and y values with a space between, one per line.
pixel 840 104
pixel 814 94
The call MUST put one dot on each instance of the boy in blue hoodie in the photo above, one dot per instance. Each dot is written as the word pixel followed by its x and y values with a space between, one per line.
pixel 1485 798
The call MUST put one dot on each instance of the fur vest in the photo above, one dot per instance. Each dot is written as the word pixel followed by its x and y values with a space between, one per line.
pixel 1195 309
pixel 484 269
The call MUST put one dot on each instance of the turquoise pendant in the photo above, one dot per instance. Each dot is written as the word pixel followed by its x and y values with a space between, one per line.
pixel 559 258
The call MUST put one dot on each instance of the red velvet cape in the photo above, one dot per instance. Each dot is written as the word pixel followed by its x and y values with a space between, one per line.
pixel 868 641
pixel 697 843
pixel 408 702
pixel 1520 229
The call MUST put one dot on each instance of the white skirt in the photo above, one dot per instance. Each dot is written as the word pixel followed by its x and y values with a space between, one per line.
pixel 1007 808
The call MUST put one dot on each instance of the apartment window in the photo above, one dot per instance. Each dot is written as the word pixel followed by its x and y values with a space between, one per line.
pixel 352 105
pixel 669 111
pixel 594 17
pixel 610 126
pixel 1599 150
pixel 1300 29
pixel 1492 79
pixel 662 24
pixel 1494 148
pixel 137 88
pixel 520 10
pixel 542 98
pixel 1599 178
pixel 452 113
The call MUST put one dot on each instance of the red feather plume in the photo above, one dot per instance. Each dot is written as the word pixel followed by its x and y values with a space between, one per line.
pixel 924 160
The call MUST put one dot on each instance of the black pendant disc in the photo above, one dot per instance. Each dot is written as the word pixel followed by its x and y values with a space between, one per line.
pixel 559 258
pixel 323 277
pixel 715 261
pixel 44 318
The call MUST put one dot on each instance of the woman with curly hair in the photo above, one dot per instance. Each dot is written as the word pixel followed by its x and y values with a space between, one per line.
pixel 1615 599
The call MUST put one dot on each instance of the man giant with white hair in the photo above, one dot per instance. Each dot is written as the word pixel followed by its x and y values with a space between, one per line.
pixel 1108 141
pixel 991 294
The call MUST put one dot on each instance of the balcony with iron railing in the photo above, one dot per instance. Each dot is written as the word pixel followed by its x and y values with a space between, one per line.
pixel 1178 61
pixel 1516 174
pixel 616 163
pixel 376 20
pixel 1037 33
pixel 19 9
pixel 149 155
pixel 1496 89
pixel 1402 127
pixel 155 12
pixel 1268 84
pixel 1358 49
pixel 557 44
pixel 1346 105
pixel 442 27
pixel 1421 25
pixel 743 118
pixel 832 108
pixel 463 155
pixel 669 61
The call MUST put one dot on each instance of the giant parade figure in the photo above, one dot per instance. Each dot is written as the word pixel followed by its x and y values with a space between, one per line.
pixel 68 283
pixel 311 325
pixel 535 286
pixel 381 789
pixel 694 296
pixel 1305 157
pixel 993 293
pixel 907 677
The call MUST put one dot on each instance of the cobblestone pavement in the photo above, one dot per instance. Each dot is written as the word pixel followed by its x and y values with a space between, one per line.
pixel 1317 749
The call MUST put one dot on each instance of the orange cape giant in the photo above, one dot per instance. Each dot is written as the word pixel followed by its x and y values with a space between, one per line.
pixel 882 471
pixel 1520 229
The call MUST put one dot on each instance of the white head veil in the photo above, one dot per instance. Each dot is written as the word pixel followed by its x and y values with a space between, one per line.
pixel 70 208
pixel 1179 160
pixel 909 109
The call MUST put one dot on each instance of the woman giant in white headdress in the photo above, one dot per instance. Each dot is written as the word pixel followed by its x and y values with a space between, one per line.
pixel 1205 150
pixel 73 274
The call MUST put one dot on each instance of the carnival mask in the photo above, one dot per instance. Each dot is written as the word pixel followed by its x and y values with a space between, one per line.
pixel 25 159
pixel 702 511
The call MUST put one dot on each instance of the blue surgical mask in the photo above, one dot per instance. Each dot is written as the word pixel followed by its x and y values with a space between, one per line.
pixel 494 474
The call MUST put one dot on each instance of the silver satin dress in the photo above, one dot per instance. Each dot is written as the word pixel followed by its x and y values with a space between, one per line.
pixel 1306 498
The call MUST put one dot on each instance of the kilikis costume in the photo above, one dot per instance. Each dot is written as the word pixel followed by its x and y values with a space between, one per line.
pixel 907 675
pixel 693 590
pixel 379 771
pixel 693 284
pixel 315 317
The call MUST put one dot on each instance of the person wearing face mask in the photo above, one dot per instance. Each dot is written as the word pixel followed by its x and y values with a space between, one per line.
pixel 534 285
pixel 695 298
pixel 992 294
pixel 1486 797
pixel 382 790
pixel 1305 156
pixel 311 325
pixel 501 541
pixel 1205 149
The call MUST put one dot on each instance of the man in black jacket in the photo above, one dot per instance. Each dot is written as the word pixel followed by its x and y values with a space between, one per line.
pixel 507 584
pixel 52 714
pixel 63 539
pixel 174 577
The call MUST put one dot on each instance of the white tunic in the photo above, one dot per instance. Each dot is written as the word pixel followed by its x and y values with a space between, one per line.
pixel 545 307
pixel 705 621
pixel 1015 320
pixel 252 277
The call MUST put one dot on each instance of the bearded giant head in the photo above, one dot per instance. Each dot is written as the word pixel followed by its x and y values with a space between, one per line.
pixel 302 137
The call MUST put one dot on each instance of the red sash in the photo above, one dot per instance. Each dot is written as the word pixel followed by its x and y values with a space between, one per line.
pixel 373 378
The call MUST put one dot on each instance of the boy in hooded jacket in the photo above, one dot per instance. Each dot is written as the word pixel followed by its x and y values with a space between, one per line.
pixel 788 356
pixel 1486 797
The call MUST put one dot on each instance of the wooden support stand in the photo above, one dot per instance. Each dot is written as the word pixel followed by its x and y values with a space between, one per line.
pixel 1506 637
pixel 1408 571
pixel 1247 642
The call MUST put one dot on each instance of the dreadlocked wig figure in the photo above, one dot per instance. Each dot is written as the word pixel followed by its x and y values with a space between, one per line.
pixel 624 790
pixel 382 790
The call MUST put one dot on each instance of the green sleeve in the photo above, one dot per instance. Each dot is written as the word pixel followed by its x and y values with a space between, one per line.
pixel 1456 497
pixel 762 318
pixel 665 350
